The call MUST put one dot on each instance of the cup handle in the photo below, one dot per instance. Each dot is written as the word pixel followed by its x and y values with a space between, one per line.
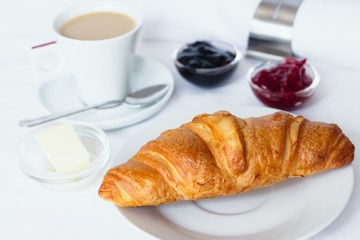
pixel 48 63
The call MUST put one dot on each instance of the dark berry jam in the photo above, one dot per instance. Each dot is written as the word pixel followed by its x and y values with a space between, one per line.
pixel 280 85
pixel 206 64
pixel 202 54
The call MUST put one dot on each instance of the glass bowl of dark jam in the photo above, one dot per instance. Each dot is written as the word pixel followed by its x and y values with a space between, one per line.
pixel 284 85
pixel 206 63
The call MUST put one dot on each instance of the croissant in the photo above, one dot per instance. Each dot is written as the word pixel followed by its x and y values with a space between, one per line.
pixel 219 154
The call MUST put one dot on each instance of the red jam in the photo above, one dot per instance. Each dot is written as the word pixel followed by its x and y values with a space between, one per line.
pixel 283 81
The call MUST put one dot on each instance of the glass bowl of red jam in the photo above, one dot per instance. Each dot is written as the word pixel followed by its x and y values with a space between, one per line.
pixel 206 63
pixel 284 85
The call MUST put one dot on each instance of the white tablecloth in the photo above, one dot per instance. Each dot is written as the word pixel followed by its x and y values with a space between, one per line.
pixel 28 211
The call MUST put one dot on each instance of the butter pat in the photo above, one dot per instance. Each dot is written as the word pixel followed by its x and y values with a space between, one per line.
pixel 63 148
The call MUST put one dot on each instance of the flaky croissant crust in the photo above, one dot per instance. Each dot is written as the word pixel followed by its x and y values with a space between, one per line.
pixel 219 154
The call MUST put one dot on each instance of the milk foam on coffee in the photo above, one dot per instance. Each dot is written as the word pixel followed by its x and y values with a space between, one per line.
pixel 97 26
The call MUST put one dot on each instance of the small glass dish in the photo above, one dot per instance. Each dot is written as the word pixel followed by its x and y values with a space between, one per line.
pixel 36 166
pixel 283 100
pixel 207 77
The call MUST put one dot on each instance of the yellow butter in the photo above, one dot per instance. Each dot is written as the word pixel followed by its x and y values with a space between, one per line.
pixel 63 148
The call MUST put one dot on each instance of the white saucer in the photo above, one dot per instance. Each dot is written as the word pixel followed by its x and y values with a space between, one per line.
pixel 61 94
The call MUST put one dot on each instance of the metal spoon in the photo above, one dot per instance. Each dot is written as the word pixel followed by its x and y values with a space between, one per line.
pixel 140 98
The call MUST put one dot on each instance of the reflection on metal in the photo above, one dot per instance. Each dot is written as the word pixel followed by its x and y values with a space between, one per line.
pixel 271 29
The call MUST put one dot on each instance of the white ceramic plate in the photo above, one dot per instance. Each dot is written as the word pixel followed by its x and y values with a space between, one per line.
pixel 293 209
pixel 61 94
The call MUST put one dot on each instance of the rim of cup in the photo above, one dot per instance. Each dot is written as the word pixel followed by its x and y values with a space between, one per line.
pixel 95 6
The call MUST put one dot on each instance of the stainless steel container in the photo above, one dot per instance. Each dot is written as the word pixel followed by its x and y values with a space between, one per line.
pixel 271 29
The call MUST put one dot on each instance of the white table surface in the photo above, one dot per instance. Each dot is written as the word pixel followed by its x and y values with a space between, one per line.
pixel 28 211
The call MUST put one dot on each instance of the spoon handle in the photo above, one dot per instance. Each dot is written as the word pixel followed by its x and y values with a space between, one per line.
pixel 140 98
pixel 40 120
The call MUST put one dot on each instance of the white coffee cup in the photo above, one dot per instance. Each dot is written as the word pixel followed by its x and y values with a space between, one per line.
pixel 101 68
